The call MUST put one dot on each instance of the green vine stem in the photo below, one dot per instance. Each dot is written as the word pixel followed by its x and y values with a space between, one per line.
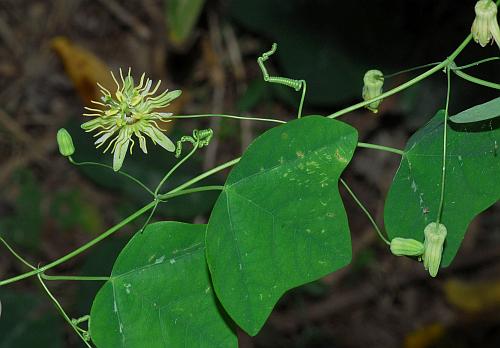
pixel 75 278
pixel 367 213
pixel 16 255
pixel 476 80
pixel 381 148
pixel 230 116
pixel 174 168
pixel 204 175
pixel 61 310
pixel 411 69
pixel 490 59
pixel 445 132
pixel 137 181
pixel 172 194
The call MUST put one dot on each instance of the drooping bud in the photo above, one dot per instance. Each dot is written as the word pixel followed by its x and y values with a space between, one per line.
pixel 65 143
pixel 435 234
pixel 372 88
pixel 406 247
pixel 485 26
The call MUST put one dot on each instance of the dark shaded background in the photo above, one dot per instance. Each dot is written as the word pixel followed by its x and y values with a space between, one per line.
pixel 48 207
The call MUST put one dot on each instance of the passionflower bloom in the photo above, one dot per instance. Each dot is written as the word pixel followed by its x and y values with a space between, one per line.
pixel 435 234
pixel 485 26
pixel 372 88
pixel 130 111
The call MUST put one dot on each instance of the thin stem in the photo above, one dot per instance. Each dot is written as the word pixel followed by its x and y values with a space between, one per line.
pixel 204 175
pixel 150 216
pixel 410 70
pixel 61 310
pixel 407 84
pixel 381 148
pixel 174 168
pixel 477 80
pixel 82 248
pixel 445 132
pixel 16 255
pixel 70 278
pixel 188 191
pixel 229 116
pixel 475 63
pixel 367 213
pixel 137 181
pixel 301 104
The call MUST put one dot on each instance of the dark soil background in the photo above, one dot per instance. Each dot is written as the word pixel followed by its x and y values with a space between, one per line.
pixel 49 207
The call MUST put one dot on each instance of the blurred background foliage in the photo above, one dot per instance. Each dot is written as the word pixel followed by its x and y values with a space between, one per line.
pixel 52 53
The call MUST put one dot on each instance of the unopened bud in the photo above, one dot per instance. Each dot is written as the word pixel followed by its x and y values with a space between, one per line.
pixel 485 26
pixel 372 88
pixel 406 247
pixel 435 234
pixel 65 143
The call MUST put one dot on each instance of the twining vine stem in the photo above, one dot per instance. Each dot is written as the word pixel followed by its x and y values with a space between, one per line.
pixel 174 168
pixel 367 213
pixel 445 133
pixel 61 310
pixel 476 80
pixel 381 147
pixel 75 278
pixel 230 116
pixel 137 181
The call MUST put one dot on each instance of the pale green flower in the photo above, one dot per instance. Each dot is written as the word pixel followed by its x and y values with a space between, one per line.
pixel 130 111
pixel 435 234
pixel 485 26
pixel 373 82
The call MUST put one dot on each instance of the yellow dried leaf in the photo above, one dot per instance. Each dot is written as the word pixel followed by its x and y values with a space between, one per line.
pixel 473 297
pixel 425 336
pixel 84 69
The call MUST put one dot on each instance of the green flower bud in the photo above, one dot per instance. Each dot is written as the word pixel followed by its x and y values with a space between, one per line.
pixel 65 143
pixel 435 234
pixel 406 247
pixel 485 26
pixel 372 88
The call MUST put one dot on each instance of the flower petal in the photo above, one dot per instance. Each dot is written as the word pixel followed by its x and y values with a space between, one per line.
pixel 142 141
pixel 159 137
pixel 105 136
pixel 120 151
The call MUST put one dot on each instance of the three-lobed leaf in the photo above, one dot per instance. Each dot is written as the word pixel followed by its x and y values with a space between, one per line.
pixel 471 182
pixel 280 222
pixel 159 294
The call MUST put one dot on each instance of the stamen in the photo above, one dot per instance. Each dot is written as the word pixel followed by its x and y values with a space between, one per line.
pixel 116 82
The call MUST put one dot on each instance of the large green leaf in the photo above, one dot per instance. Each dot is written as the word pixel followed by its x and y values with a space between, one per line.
pixel 159 294
pixel 479 112
pixel 280 222
pixel 471 186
